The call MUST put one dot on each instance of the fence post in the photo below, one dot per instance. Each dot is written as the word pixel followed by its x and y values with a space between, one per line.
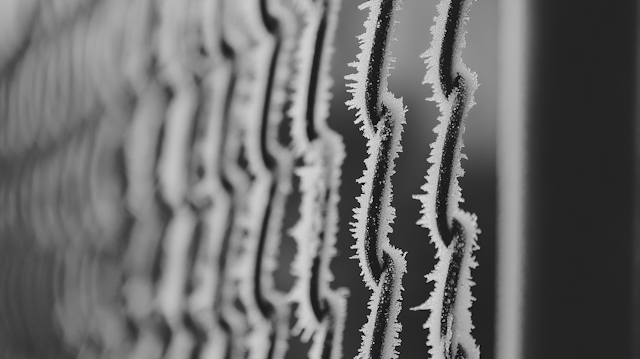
pixel 566 179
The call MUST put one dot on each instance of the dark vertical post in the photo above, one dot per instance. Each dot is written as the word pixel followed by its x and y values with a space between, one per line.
pixel 635 333
pixel 567 185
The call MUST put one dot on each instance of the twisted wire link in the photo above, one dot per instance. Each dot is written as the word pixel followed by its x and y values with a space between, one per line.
pixel 382 328
pixel 217 187
pixel 181 68
pixel 453 231
pixel 381 116
pixel 270 27
pixel 236 180
pixel 321 311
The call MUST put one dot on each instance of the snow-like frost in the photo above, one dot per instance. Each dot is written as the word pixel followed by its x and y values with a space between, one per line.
pixel 316 15
pixel 387 212
pixel 393 299
pixel 271 166
pixel 454 106
pixel 332 325
pixel 381 116
pixel 359 84
pixel 315 233
pixel 322 151
pixel 461 325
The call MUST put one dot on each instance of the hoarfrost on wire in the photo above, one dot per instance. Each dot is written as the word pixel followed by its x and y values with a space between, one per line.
pixel 381 116
pixel 321 311
pixel 453 85
pixel 266 69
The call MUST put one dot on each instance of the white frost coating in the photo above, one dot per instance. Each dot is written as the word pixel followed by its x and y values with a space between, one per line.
pixel 303 59
pixel 258 60
pixel 315 233
pixel 461 324
pixel 258 200
pixel 313 13
pixel 231 166
pixel 391 118
pixel 271 185
pixel 393 328
pixel 388 212
pixel 432 54
pixel 358 87
pixel 445 105
pixel 207 276
pixel 337 301
pixel 358 90
pixel 306 231
pixel 208 140
pixel 462 314
pixel 259 342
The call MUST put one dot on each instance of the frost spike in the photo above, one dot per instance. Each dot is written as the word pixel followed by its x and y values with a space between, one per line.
pixel 453 231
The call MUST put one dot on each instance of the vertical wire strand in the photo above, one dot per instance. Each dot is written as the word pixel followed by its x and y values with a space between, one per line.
pixel 236 180
pixel 512 143
pixel 211 303
pixel 142 144
pixel 173 169
pixel 321 311
pixel 271 27
pixel 453 231
pixel 382 117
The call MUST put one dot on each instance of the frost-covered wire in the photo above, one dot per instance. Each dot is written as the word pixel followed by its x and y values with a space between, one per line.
pixel 321 311
pixel 271 27
pixel 452 230
pixel 381 116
